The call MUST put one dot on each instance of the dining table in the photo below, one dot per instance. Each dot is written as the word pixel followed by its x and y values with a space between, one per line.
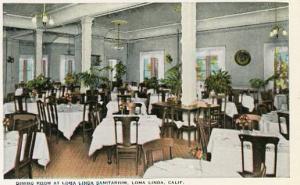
pixel 112 106
pixel 247 101
pixel 186 168
pixel 69 117
pixel 104 134
pixel 187 111
pixel 230 109
pixel 40 151
pixel 281 101
pixel 226 159
pixel 225 148
pixel 269 122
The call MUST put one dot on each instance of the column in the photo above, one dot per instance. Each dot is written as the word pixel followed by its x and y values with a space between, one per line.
pixel 38 52
pixel 188 41
pixel 86 45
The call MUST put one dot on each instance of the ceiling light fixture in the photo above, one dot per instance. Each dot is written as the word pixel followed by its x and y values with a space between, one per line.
pixel 42 19
pixel 118 45
pixel 277 30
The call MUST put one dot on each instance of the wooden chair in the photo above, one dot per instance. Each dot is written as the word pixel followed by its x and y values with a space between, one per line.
pixel 202 135
pixel 42 116
pixel 62 91
pixel 169 128
pixel 91 96
pixel 147 103
pixel 259 144
pixel 122 90
pixel 23 160
pixel 126 149
pixel 262 109
pixel 52 118
pixel 157 150
pixel 222 102
pixel 286 117
pixel 93 112
pixel 20 103
pixel 267 99
pixel 22 116
pixel 134 84
pixel 211 118
pixel 138 108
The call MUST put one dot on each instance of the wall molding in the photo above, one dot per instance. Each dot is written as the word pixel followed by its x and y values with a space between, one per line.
pixel 228 21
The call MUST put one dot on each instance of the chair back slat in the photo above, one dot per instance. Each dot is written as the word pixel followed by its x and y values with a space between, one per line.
pixel 27 135
pixel 42 113
pixel 157 150
pixel 126 129
pixel 259 152
pixel 20 103
pixel 52 113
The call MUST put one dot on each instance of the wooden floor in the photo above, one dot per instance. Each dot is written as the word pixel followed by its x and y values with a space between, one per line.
pixel 69 159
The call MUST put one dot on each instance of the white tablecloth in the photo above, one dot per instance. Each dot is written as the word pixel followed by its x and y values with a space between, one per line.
pixel 225 147
pixel 247 101
pixel 104 134
pixel 280 101
pixel 112 106
pixel 69 118
pixel 186 168
pixel 40 152
pixel 269 123
pixel 153 99
pixel 231 109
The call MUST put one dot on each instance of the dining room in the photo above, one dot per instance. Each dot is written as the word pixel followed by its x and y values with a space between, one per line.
pixel 146 90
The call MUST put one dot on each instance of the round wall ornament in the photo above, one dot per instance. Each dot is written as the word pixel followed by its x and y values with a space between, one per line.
pixel 242 57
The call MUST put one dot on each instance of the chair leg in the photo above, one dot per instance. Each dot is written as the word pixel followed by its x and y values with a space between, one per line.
pixel 57 135
pixel 30 171
pixel 118 161
pixel 83 133
pixel 94 156
pixel 137 161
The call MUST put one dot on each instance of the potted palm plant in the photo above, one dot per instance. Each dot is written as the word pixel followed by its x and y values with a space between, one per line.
pixel 39 84
pixel 120 72
pixel 260 84
pixel 93 78
pixel 173 81
pixel 218 82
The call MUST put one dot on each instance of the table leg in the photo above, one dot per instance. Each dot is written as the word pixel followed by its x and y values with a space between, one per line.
pixel 189 123
pixel 109 154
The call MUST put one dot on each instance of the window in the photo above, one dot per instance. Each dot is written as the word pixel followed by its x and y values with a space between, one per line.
pixel 26 68
pixel 67 65
pixel 112 74
pixel 281 58
pixel 276 63
pixel 209 60
pixel 151 65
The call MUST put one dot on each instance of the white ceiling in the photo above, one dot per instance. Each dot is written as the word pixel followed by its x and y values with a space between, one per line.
pixel 29 10
pixel 145 16
pixel 159 14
